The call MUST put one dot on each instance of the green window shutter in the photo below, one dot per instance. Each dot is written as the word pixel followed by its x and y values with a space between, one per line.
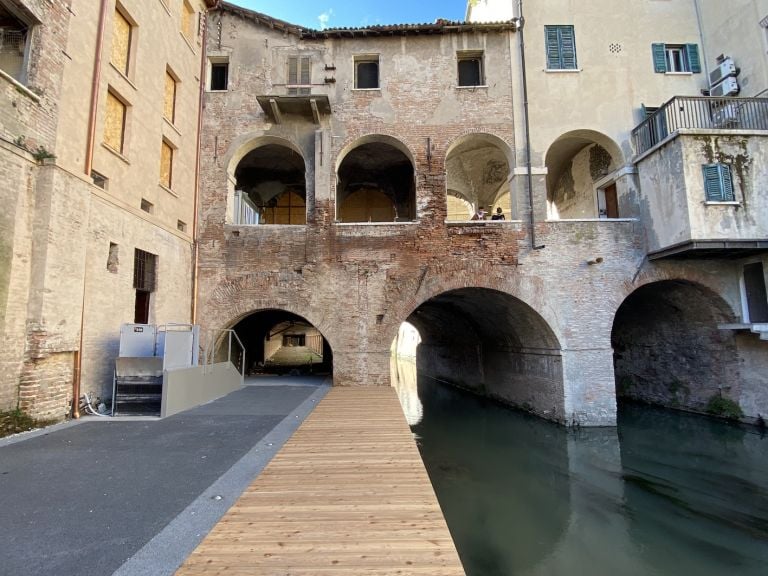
pixel 305 74
pixel 567 47
pixel 554 61
pixel 659 58
pixel 727 181
pixel 692 50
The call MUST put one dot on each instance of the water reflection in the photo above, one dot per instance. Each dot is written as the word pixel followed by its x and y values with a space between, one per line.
pixel 665 494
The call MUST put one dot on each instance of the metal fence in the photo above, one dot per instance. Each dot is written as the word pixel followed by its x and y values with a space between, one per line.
pixel 702 112
pixel 223 346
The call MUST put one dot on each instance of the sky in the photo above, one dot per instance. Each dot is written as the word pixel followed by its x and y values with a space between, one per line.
pixel 320 14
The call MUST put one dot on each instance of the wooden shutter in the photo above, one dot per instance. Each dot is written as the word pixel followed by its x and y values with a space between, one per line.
pixel 567 47
pixel 169 109
pixel 554 61
pixel 121 42
pixel 114 123
pixel 718 183
pixel 659 52
pixel 166 165
pixel 293 74
pixel 727 183
pixel 305 74
pixel 694 62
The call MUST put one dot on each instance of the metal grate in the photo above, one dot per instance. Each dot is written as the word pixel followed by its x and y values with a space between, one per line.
pixel 12 44
pixel 144 268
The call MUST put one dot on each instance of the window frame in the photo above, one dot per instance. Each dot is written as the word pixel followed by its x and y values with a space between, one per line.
pixel 127 71
pixel 689 58
pixel 560 47
pixel 124 124
pixel 718 184
pixel 188 21
pixel 214 61
pixel 367 59
pixel 170 74
pixel 27 25
pixel 299 88
pixel 165 143
pixel 471 56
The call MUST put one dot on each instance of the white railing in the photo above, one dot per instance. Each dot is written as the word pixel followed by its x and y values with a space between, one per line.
pixel 246 212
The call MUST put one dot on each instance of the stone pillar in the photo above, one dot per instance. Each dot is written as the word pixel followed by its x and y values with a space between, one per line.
pixel 589 385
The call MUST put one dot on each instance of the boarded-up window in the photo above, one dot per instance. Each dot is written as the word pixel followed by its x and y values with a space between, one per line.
pixel 166 164
pixel 170 97
pixel 121 42
pixel 187 20
pixel 114 123
pixel 299 75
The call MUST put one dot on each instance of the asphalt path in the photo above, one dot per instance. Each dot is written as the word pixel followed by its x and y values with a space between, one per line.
pixel 135 496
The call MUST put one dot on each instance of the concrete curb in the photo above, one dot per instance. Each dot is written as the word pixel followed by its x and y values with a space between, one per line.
pixel 170 547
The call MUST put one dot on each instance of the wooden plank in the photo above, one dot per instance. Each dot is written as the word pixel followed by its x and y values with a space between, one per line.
pixel 347 495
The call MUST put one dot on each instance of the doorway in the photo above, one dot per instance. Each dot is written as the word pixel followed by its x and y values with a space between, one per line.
pixel 755 293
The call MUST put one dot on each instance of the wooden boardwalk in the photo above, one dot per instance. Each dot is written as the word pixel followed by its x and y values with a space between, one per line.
pixel 347 495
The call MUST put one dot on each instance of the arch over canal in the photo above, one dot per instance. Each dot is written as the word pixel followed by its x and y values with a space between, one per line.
pixel 668 349
pixel 491 343
pixel 278 342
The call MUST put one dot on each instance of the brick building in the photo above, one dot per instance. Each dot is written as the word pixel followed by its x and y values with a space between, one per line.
pixel 342 168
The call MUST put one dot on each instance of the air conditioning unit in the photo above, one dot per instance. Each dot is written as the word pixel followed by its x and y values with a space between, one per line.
pixel 726 116
pixel 726 69
pixel 727 87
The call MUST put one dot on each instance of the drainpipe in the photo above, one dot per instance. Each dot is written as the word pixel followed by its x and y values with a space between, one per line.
pixel 77 370
pixel 95 84
pixel 703 43
pixel 532 221
pixel 195 247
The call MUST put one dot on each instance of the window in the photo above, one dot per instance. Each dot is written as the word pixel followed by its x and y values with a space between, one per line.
pixel 561 47
pixel 671 58
pixel 366 72
pixel 169 107
pixel 187 20
pixel 299 75
pixel 144 281
pixel 121 42
pixel 181 225
pixel 166 164
pixel 113 260
pixel 219 75
pixel 14 35
pixel 99 180
pixel 470 65
pixel 718 184
pixel 114 123
pixel 147 206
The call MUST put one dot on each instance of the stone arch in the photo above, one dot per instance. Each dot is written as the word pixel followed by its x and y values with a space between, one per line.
pixel 669 349
pixel 375 180
pixel 477 167
pixel 275 200
pixel 577 162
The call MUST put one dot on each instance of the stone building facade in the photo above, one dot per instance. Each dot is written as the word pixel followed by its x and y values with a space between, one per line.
pixel 94 96
pixel 343 168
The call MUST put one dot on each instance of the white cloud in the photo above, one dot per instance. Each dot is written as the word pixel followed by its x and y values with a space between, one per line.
pixel 324 18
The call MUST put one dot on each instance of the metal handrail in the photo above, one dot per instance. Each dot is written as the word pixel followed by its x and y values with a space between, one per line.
pixel 700 112
pixel 214 339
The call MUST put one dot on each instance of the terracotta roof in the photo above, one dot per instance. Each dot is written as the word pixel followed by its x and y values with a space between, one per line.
pixel 440 26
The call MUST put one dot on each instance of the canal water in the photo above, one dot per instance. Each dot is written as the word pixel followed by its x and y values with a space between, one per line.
pixel 666 493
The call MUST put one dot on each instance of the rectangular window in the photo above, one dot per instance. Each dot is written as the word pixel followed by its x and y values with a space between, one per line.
pixel 14 35
pixel 366 72
pixel 561 47
pixel 144 269
pixel 219 75
pixel 114 123
pixel 166 164
pixel 671 58
pixel 169 106
pixel 99 179
pixel 121 42
pixel 718 184
pixel 147 206
pixel 470 68
pixel 181 225
pixel 187 20
pixel 299 75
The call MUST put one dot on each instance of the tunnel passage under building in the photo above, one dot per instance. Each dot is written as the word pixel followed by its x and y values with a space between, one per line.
pixel 577 166
pixel 668 349
pixel 271 187
pixel 279 342
pixel 477 175
pixel 493 344
pixel 376 184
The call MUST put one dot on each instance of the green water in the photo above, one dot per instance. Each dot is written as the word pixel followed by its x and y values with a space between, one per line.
pixel 664 494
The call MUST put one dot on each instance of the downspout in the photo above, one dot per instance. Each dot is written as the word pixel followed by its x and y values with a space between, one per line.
pixel 195 247
pixel 77 370
pixel 703 43
pixel 532 218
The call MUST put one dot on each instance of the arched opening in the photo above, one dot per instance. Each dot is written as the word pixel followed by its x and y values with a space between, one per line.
pixel 279 342
pixel 477 176
pixel 579 164
pixel 376 182
pixel 270 187
pixel 492 344
pixel 668 350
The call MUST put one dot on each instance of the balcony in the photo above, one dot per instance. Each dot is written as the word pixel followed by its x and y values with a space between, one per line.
pixel 700 113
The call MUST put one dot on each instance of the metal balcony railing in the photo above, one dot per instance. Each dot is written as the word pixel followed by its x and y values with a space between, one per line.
pixel 702 112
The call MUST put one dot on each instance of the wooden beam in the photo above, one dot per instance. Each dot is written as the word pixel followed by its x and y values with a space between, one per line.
pixel 275 111
pixel 315 111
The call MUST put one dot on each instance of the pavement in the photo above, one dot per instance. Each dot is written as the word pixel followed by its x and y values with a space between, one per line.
pixel 134 496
